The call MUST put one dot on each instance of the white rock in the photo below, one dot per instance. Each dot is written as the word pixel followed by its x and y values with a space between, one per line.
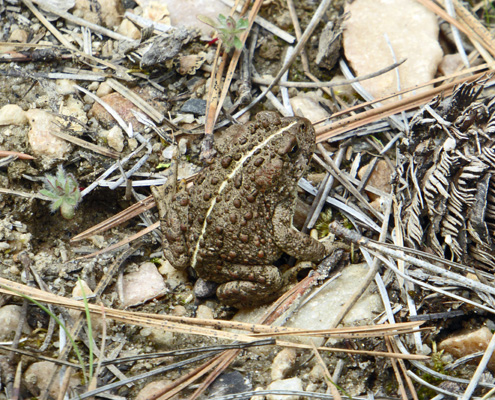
pixel 315 313
pixel 115 138
pixel 40 139
pixel 412 31
pixel 309 105
pixel 9 319
pixel 65 86
pixel 108 12
pixel 74 107
pixel 143 285
pixel 204 312
pixel 285 384
pixel 283 363
pixel 12 114
pixel 172 276
pixel 38 375
pixel 185 12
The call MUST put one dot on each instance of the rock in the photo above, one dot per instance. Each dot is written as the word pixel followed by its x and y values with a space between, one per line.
pixel 309 105
pixel 74 107
pixel 315 313
pixel 329 45
pixel 38 375
pixel 159 337
pixel 143 285
pixel 380 177
pixel 283 363
pixel 115 138
pixel 103 89
pixel 9 319
pixel 204 312
pixel 65 86
pixel 153 390
pixel 184 12
pixel 450 63
pixel 121 105
pixel 173 277
pixel 463 344
pixel 41 141
pixel 204 289
pixel 230 383
pixel 285 384
pixel 19 35
pixel 157 11
pixel 106 12
pixel 127 28
pixel 97 321
pixel 413 33
pixel 12 114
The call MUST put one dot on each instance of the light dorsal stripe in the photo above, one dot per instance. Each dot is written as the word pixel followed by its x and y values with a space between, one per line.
pixel 222 187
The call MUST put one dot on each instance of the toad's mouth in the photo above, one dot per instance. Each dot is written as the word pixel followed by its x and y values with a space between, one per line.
pixel 238 166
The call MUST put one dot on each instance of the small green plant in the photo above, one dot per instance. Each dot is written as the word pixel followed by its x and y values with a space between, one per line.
pixel 228 29
pixel 63 191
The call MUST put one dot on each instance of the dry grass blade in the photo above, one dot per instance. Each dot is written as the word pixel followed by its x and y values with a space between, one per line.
pixel 168 323
pixel 83 143
pixel 123 242
pixel 347 124
pixel 136 100
pixel 48 25
pixel 21 156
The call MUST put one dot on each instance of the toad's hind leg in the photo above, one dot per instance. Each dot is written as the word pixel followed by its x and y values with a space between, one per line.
pixel 250 285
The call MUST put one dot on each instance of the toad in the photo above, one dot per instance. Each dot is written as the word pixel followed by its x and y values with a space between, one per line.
pixel 236 220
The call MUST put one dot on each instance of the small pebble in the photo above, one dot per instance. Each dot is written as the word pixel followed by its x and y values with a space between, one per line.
pixel 285 384
pixel 143 285
pixel 115 138
pixel 12 114
pixel 127 28
pixel 41 141
pixel 204 289
pixel 194 106
pixel 283 363
pixel 64 86
pixel 204 312
pixel 38 375
pixel 103 89
pixel 9 319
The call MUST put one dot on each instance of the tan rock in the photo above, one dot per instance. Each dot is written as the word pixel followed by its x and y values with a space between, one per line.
pixel 380 177
pixel 413 33
pixel 38 375
pixel 143 285
pixel 42 142
pixel 19 35
pixel 12 114
pixel 108 12
pixel 128 29
pixel 9 319
pixel 463 344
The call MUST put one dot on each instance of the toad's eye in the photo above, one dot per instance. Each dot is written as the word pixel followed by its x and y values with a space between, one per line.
pixel 294 149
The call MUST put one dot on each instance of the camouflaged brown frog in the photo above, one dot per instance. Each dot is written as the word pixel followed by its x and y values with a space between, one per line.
pixel 236 220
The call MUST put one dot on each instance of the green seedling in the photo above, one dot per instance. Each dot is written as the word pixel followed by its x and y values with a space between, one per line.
pixel 63 191
pixel 228 29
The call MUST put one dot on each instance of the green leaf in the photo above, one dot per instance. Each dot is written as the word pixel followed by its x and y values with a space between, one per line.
pixel 222 19
pixel 237 43
pixel 206 20
pixel 242 24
